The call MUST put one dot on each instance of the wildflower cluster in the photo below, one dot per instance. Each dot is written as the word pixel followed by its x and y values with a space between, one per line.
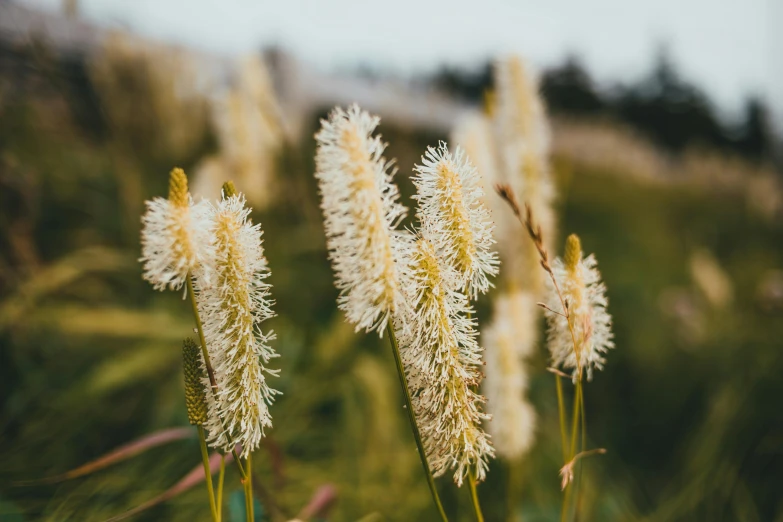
pixel 217 249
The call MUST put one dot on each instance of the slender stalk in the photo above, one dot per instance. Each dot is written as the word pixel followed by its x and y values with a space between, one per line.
pixel 562 414
pixel 574 432
pixel 582 452
pixel 208 362
pixel 249 488
pixel 207 473
pixel 474 497
pixel 412 419
pixel 221 476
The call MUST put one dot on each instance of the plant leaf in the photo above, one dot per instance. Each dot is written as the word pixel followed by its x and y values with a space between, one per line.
pixel 124 452
pixel 195 476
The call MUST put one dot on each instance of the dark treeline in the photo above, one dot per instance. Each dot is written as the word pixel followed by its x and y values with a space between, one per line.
pixel 663 105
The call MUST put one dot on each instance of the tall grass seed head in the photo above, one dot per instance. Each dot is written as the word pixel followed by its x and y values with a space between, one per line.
pixel 442 355
pixel 361 213
pixel 232 309
pixel 585 296
pixel 195 376
pixel 175 236
pixel 507 341
pixel 451 209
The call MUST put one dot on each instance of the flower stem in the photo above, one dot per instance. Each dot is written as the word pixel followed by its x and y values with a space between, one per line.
pixel 412 419
pixel 572 454
pixel 248 484
pixel 221 476
pixel 207 473
pixel 208 362
pixel 562 414
pixel 474 496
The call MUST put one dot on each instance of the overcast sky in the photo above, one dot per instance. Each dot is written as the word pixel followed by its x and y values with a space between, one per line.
pixel 731 48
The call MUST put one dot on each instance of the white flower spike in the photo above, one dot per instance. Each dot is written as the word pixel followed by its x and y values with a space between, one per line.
pixel 174 236
pixel 452 211
pixel 361 211
pixel 585 295
pixel 231 309
pixel 507 341
pixel 444 360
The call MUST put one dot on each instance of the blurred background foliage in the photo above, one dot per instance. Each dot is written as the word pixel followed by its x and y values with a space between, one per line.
pixel 688 406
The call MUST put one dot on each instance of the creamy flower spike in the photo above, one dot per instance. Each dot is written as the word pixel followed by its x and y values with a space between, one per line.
pixel 522 136
pixel 507 341
pixel 451 209
pixel 175 236
pixel 444 360
pixel 361 211
pixel 585 294
pixel 232 309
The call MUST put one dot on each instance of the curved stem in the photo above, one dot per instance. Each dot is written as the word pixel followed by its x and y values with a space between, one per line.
pixel 207 473
pixel 474 497
pixel 249 489
pixel 562 415
pixel 221 476
pixel 412 419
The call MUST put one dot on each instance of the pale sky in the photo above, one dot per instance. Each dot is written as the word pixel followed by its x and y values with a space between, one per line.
pixel 728 47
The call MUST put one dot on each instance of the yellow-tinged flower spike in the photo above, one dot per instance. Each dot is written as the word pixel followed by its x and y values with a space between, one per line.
pixel 175 237
pixel 522 137
pixel 232 309
pixel 585 295
pixel 573 253
pixel 361 212
pixel 455 218
pixel 178 188
pixel 443 361
pixel 229 189
pixel 508 340
pixel 195 390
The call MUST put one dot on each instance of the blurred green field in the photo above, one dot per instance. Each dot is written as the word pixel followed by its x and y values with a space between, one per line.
pixel 688 406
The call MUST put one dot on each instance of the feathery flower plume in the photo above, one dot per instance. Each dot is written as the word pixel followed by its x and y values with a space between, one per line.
pixel 522 134
pixel 361 210
pixel 474 134
pixel 174 236
pixel 232 308
pixel 585 297
pixel 458 223
pixel 195 376
pixel 442 354
pixel 507 341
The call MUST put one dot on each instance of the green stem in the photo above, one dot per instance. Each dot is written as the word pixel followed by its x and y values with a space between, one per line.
pixel 221 476
pixel 249 489
pixel 474 497
pixel 562 414
pixel 581 450
pixel 412 419
pixel 207 472
pixel 208 363
pixel 574 438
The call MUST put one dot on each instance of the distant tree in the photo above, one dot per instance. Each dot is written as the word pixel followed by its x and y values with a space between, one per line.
pixel 756 139
pixel 466 84
pixel 671 111
pixel 569 89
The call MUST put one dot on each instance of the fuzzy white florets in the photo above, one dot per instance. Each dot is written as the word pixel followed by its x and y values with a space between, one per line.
pixel 508 339
pixel 361 211
pixel 451 208
pixel 174 242
pixel 443 361
pixel 586 296
pixel 232 307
